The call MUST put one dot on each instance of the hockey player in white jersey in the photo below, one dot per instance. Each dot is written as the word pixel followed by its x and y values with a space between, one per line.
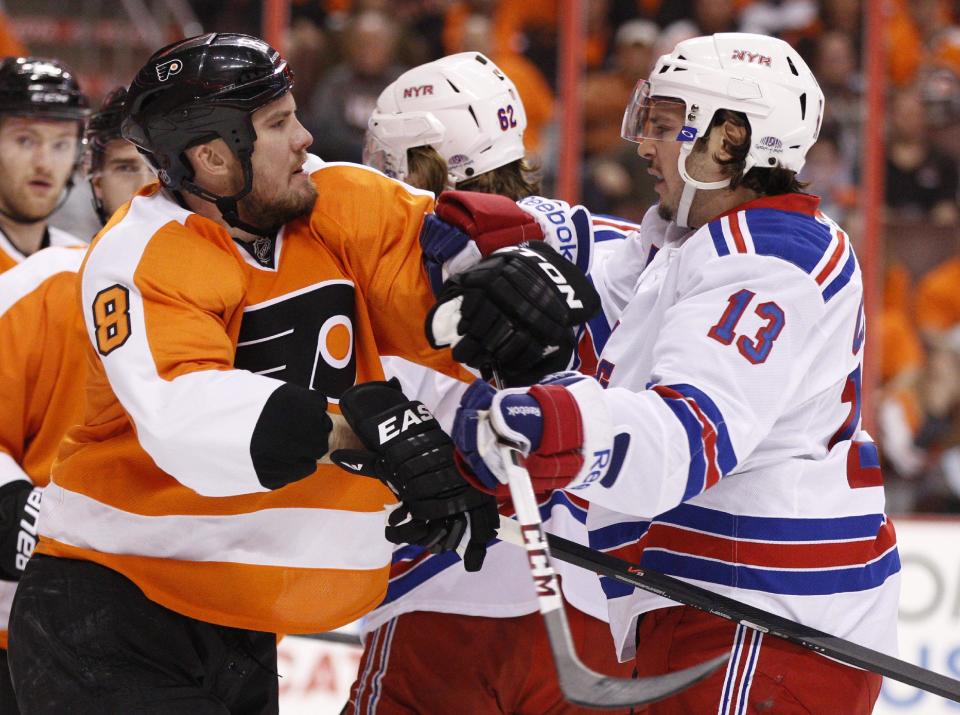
pixel 720 440
pixel 42 117
pixel 458 123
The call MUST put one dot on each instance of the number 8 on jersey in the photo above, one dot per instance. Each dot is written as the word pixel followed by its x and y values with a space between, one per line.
pixel 111 317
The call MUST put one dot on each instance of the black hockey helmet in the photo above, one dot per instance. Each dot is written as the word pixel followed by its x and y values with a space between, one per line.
pixel 38 86
pixel 44 88
pixel 197 90
pixel 103 128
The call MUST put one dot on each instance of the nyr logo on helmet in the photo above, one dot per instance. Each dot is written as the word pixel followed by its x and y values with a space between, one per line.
pixel 754 58
pixel 166 70
pixel 421 91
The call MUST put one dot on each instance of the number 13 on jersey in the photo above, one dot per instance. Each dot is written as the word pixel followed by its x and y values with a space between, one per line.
pixel 757 349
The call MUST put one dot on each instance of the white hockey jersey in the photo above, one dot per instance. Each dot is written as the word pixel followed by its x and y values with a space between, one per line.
pixel 421 581
pixel 726 448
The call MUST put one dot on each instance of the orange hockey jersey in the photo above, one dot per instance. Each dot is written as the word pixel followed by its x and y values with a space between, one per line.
pixel 10 255
pixel 42 371
pixel 205 359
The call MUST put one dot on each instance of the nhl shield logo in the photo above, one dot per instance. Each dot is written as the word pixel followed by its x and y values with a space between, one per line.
pixel 166 70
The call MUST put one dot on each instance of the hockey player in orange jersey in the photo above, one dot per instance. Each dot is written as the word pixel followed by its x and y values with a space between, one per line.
pixel 42 113
pixel 226 312
pixel 43 369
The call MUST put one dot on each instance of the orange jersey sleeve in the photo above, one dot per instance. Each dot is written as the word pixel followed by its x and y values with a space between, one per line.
pixel 42 368
pixel 374 229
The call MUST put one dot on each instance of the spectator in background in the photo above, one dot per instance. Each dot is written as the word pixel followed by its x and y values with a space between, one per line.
pixel 342 103
pixel 921 184
pixel 606 92
pixel 830 175
pixel 309 50
pixel 901 362
pixel 835 62
pixel 778 17
pixel 614 182
pixel 937 311
pixel 709 16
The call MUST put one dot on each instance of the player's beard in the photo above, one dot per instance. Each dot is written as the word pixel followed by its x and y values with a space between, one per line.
pixel 21 209
pixel 665 212
pixel 273 211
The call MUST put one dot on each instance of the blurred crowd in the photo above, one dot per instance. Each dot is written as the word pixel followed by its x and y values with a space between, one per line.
pixel 344 52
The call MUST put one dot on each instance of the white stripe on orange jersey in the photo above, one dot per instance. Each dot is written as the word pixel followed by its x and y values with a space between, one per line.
pixel 325 538
pixel 15 285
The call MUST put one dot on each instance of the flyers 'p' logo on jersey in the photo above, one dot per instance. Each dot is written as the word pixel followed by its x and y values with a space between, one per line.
pixel 165 70
pixel 304 337
pixel 111 318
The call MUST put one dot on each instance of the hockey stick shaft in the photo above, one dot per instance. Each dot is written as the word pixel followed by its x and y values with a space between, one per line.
pixel 758 619
pixel 578 683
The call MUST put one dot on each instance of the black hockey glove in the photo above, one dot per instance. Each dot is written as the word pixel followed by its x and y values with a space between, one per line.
pixel 517 308
pixel 409 452
pixel 19 509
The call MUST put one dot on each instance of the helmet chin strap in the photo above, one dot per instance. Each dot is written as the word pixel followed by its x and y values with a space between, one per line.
pixel 690 186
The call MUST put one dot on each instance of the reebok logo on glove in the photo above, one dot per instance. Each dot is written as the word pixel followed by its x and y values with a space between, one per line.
pixel 518 410
pixel 569 294
pixel 388 429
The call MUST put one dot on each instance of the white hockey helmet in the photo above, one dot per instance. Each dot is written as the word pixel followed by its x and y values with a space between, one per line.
pixel 462 105
pixel 762 77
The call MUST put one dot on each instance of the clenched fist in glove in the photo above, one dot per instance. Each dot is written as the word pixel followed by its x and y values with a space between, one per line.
pixel 468 225
pixel 517 308
pixel 547 422
pixel 408 451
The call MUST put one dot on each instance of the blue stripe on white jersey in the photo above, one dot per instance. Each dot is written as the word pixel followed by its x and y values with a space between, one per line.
pixel 799 582
pixel 711 452
pixel 812 243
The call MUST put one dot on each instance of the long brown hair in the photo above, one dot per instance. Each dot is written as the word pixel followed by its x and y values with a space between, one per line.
pixel 516 180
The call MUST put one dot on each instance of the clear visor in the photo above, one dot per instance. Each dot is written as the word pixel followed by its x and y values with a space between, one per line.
pixel 650 117
pixel 390 135
pixel 377 154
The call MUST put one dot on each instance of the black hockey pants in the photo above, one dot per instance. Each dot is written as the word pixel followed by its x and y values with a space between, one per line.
pixel 84 639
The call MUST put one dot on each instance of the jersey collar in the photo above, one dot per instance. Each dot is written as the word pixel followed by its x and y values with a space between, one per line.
pixel 796 203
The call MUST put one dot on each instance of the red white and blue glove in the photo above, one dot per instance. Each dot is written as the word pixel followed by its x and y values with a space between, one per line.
pixel 467 226
pixel 545 420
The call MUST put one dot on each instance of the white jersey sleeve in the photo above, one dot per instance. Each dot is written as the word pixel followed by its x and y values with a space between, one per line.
pixel 739 332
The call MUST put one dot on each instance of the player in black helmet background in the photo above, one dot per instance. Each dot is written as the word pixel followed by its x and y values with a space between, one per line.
pixel 114 167
pixel 230 312
pixel 42 117
pixel 43 369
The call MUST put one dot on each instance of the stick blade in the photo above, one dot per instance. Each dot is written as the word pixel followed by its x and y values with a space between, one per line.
pixel 591 690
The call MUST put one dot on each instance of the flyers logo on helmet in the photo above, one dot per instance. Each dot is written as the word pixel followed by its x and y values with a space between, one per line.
pixel 165 70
